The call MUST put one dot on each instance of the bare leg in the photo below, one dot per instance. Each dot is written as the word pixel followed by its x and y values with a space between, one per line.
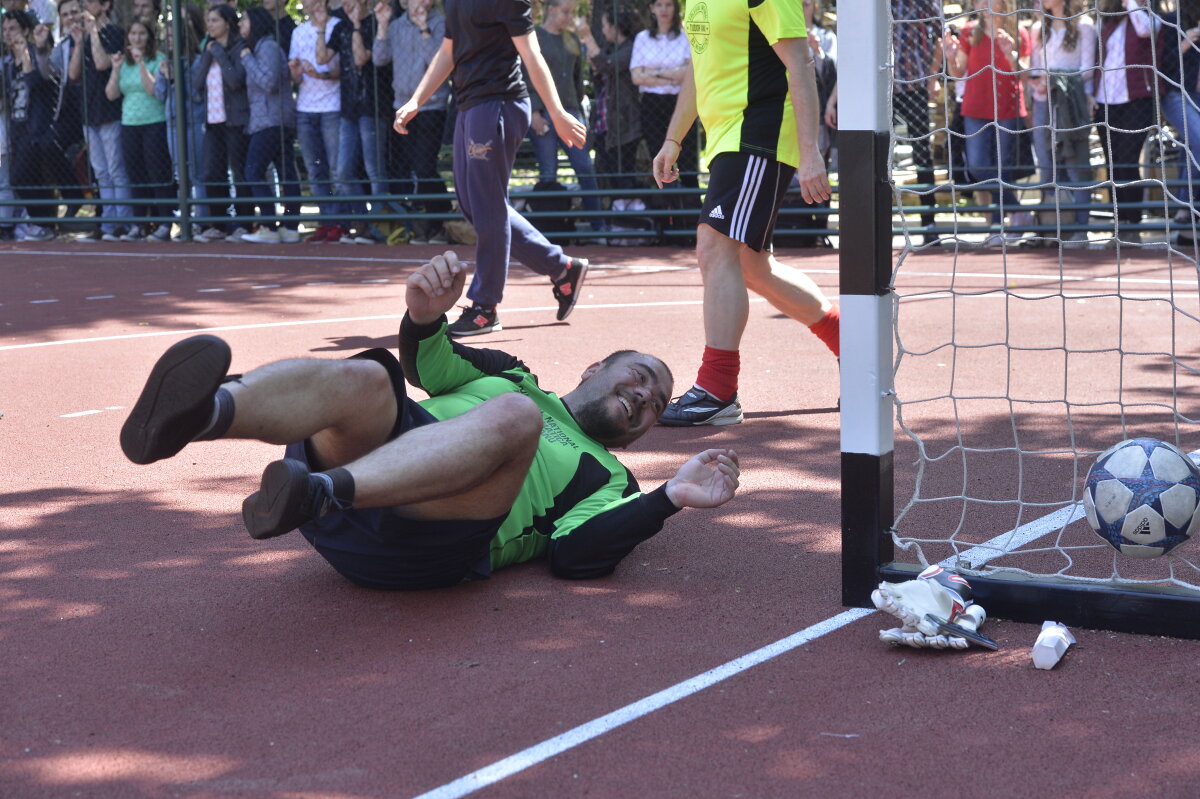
pixel 726 303
pixel 729 268
pixel 786 288
pixel 346 407
pixel 468 467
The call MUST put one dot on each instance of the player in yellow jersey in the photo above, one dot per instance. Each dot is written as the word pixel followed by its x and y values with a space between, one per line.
pixel 751 82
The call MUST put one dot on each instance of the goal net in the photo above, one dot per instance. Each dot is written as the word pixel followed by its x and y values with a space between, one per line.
pixel 1041 309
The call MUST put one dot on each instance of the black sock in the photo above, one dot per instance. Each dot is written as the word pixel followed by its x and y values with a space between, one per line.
pixel 343 484
pixel 222 417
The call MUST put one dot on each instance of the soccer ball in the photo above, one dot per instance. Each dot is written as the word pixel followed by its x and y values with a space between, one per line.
pixel 1142 496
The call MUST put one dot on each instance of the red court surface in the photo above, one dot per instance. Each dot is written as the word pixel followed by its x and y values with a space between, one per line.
pixel 150 648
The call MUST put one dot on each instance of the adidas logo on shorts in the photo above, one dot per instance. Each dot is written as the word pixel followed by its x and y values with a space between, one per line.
pixel 716 213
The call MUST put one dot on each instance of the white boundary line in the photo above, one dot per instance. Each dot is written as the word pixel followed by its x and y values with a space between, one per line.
pixel 593 729
pixel 551 747
pixel 288 258
pixel 233 256
pixel 339 320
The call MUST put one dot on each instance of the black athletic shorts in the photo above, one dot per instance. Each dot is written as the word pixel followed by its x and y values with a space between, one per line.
pixel 744 194
pixel 376 548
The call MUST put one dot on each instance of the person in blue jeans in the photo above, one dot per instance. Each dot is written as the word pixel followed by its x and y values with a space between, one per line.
pixel 365 110
pixel 1180 66
pixel 989 56
pixel 485 45
pixel 318 114
pixel 272 127
pixel 563 52
pixel 93 43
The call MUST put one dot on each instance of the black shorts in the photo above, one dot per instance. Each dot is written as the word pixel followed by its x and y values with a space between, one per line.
pixel 375 547
pixel 744 194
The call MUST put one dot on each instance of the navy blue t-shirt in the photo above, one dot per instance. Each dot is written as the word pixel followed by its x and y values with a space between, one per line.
pixel 1170 59
pixel 98 109
pixel 486 63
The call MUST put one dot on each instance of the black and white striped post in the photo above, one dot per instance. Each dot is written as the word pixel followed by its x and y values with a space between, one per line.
pixel 864 233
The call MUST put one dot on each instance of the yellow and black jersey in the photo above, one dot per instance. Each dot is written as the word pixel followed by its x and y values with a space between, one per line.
pixel 741 84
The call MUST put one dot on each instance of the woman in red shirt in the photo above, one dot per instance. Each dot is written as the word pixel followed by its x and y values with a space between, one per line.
pixel 988 54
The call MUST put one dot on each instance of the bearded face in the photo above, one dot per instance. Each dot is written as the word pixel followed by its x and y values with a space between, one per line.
pixel 619 400
pixel 599 420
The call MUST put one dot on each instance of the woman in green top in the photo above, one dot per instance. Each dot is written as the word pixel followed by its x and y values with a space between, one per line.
pixel 143 127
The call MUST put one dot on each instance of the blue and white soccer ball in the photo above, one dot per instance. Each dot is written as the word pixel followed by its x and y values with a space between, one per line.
pixel 1142 496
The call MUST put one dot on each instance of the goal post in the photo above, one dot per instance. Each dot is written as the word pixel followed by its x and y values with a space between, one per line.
pixel 865 266
pixel 1011 520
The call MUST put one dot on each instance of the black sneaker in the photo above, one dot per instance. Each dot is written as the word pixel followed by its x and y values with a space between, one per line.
pixel 697 407
pixel 288 496
pixel 177 401
pixel 566 290
pixel 475 321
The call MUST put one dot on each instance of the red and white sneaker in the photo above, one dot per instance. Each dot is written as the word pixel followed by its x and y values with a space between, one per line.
pixel 475 321
pixel 320 235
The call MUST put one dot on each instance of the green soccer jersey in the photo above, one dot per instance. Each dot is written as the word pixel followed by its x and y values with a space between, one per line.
pixel 576 490
pixel 741 85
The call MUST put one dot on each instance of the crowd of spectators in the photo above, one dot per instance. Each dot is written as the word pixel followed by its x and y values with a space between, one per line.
pixel 268 103
pixel 91 108
pixel 1056 88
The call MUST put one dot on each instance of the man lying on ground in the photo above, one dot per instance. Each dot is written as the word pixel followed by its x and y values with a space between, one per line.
pixel 489 471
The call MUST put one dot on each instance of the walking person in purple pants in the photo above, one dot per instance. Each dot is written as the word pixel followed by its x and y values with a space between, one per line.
pixel 486 41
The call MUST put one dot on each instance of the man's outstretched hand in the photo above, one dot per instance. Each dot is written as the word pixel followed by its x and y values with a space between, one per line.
pixel 433 289
pixel 706 480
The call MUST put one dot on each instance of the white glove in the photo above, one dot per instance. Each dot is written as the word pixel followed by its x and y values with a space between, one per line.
pixel 937 592
pixel 971 618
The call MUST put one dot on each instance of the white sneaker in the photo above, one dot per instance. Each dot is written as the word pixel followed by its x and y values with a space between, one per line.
pixel 994 240
pixel 110 237
pixel 359 238
pixel 161 233
pixel 263 235
pixel 1076 240
pixel 238 234
pixel 288 235
pixel 134 234
pixel 32 232
pixel 210 234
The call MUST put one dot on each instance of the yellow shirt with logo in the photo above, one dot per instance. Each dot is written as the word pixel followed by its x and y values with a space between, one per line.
pixel 741 85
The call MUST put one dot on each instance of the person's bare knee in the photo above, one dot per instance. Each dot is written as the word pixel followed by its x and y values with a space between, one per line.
pixel 504 433
pixel 715 250
pixel 518 421
pixel 369 415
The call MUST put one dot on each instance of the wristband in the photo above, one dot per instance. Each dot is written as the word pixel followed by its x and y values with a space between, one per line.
pixel 677 144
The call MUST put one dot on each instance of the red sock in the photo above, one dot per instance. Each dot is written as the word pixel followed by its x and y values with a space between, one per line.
pixel 719 372
pixel 829 329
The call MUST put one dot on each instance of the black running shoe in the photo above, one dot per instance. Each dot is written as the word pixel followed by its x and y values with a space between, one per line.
pixel 566 290
pixel 475 321
pixel 177 402
pixel 288 496
pixel 698 407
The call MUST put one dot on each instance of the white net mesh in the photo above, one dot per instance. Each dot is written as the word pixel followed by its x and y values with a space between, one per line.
pixel 1040 326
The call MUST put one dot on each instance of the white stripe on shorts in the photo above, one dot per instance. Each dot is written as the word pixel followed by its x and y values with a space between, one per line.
pixel 751 183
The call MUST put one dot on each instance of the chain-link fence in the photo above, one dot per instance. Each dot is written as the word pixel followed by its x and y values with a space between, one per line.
pixel 205 122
